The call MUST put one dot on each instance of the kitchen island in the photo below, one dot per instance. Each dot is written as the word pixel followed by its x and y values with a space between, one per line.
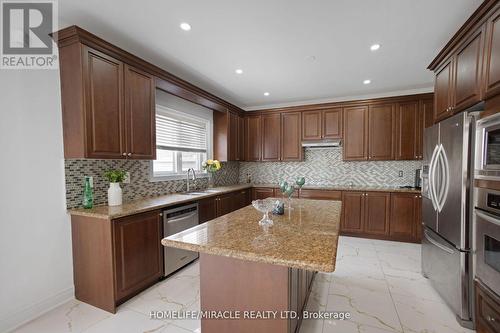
pixel 255 271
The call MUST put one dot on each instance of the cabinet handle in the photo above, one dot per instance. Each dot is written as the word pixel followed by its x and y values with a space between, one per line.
pixel 491 319
pixel 129 154
pixel 124 154
pixel 161 214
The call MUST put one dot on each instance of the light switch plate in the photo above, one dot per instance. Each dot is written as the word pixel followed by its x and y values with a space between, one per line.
pixel 127 178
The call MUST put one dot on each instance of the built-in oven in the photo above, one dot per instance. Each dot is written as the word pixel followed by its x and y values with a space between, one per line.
pixel 488 148
pixel 487 238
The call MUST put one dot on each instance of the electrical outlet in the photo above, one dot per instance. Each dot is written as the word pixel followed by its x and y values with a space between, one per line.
pixel 127 178
pixel 400 173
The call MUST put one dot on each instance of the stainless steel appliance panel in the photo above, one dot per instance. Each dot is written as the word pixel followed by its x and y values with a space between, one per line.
pixel 174 221
pixel 446 268
pixel 452 179
pixel 488 148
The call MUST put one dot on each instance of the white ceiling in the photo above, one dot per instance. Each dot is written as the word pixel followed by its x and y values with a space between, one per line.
pixel 272 41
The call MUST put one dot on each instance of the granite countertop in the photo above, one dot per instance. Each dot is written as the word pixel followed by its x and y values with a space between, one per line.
pixel 304 238
pixel 352 188
pixel 148 204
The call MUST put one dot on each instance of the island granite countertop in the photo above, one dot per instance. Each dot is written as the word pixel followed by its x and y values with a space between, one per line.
pixel 305 237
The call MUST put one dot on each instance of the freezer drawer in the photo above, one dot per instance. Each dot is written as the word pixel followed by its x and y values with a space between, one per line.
pixel 447 269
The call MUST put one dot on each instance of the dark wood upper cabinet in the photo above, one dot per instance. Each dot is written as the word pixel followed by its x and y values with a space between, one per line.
pixel 377 210
pixel 492 58
pixel 332 123
pixel 381 132
pixel 271 137
pixel 322 124
pixel 140 114
pixel 253 138
pixel 311 125
pixel 467 78
pixel 443 92
pixel 353 210
pixel 291 129
pixel 355 133
pixel 104 112
pixel 427 106
pixel 233 143
pixel 227 139
pixel 407 121
pixel 241 139
pixel 138 252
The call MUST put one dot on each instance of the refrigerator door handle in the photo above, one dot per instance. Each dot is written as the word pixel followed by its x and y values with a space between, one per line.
pixel 432 185
pixel 445 180
pixel 436 243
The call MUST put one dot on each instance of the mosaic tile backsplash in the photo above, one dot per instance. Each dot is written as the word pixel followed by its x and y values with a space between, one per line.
pixel 140 186
pixel 325 167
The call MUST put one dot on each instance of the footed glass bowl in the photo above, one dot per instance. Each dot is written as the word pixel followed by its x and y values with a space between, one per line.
pixel 264 206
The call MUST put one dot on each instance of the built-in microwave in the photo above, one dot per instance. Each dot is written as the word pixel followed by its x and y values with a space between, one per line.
pixel 488 148
pixel 487 238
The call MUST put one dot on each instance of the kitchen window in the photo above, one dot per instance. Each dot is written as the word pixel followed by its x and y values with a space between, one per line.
pixel 182 142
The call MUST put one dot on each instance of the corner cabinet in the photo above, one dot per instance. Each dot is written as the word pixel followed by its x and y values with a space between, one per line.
pixel 108 106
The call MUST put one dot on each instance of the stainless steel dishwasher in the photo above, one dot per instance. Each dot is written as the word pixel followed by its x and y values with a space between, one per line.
pixel 176 220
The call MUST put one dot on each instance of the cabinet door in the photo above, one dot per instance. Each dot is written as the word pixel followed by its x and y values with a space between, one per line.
pixel 418 218
pixel 442 92
pixel 138 252
pixel 271 137
pixel 377 208
pixel 105 123
pixel 140 114
pixel 240 199
pixel 332 124
pixel 352 212
pixel 291 149
pixel 241 139
pixel 492 57
pixel 427 106
pixel 381 132
pixel 311 125
pixel 355 133
pixel 262 193
pixel 468 61
pixel 403 213
pixel 233 144
pixel 419 132
pixel 253 141
pixel 406 130
pixel 207 209
pixel 224 204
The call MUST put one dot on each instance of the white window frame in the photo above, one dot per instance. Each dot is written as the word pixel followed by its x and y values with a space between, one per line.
pixel 187 117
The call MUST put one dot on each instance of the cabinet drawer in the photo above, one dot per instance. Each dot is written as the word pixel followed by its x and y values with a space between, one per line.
pixel 320 194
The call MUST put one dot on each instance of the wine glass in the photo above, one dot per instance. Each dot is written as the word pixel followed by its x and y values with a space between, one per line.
pixel 283 185
pixel 264 206
pixel 289 192
pixel 300 181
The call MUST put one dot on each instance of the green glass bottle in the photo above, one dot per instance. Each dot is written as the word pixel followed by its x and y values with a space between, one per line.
pixel 88 194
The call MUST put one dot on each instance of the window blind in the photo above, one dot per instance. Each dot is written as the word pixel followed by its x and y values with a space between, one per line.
pixel 176 132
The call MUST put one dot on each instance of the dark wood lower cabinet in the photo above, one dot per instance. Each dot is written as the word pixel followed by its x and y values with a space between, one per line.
pixel 377 210
pixel 262 193
pixel 487 310
pixel 207 209
pixel 138 253
pixel 114 260
pixel 405 217
pixel 352 213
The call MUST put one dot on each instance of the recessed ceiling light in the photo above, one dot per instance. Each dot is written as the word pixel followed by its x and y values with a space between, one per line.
pixel 239 71
pixel 367 81
pixel 185 26
pixel 375 47
pixel 266 94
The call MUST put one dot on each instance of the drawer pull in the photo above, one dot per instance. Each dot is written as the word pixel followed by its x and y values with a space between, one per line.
pixel 491 319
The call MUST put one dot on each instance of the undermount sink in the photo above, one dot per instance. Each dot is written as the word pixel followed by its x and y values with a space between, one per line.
pixel 194 193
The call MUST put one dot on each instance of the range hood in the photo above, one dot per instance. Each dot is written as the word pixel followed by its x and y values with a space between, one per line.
pixel 321 143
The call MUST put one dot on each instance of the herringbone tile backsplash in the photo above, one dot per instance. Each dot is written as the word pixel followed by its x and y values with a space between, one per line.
pixel 321 167
pixel 325 167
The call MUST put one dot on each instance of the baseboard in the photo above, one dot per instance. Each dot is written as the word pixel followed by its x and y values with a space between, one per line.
pixel 21 316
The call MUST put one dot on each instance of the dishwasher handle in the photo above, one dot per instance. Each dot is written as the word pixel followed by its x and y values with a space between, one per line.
pixel 182 218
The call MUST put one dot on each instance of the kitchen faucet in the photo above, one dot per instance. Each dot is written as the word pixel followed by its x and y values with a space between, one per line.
pixel 187 178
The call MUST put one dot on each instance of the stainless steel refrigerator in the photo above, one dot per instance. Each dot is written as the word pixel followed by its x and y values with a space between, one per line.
pixel 446 211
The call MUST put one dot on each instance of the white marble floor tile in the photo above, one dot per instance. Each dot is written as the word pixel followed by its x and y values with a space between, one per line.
pixel 378 282
pixel 418 315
